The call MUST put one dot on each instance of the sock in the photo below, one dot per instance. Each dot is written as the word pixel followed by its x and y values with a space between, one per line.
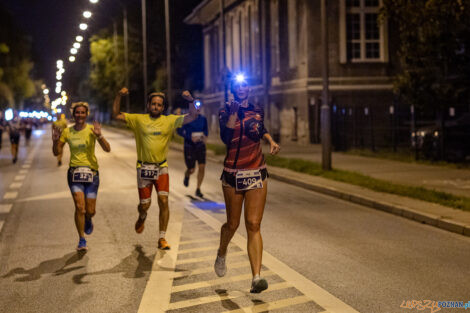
pixel 162 234
pixel 256 277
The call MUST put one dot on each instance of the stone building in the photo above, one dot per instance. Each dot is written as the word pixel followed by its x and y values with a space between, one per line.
pixel 277 43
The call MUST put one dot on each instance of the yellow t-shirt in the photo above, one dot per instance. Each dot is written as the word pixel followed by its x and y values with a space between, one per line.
pixel 60 123
pixel 152 135
pixel 82 146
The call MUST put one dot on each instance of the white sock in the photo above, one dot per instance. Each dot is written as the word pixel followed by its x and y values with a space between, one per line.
pixel 256 277
pixel 162 234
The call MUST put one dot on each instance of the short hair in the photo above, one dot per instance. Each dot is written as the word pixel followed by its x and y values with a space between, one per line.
pixel 155 94
pixel 79 104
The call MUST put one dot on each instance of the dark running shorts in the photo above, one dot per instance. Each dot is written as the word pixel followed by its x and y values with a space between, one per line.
pixel 193 153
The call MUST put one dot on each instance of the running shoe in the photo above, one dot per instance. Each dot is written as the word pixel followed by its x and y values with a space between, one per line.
pixel 258 285
pixel 139 225
pixel 199 193
pixel 186 181
pixel 14 160
pixel 88 226
pixel 59 163
pixel 82 244
pixel 163 245
pixel 219 266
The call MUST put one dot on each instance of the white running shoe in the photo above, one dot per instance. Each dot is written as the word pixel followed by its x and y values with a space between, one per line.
pixel 219 266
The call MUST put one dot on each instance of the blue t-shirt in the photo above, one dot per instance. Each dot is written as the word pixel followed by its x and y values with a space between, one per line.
pixel 196 126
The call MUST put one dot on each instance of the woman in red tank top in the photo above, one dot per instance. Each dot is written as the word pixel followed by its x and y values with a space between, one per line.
pixel 244 179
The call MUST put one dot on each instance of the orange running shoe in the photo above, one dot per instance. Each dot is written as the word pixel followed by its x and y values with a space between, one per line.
pixel 163 245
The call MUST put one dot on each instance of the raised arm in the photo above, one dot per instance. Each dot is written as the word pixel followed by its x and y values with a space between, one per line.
pixel 57 145
pixel 117 115
pixel 193 112
pixel 103 142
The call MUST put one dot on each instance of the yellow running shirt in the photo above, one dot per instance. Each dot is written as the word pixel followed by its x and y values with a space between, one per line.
pixel 82 146
pixel 152 135
pixel 60 123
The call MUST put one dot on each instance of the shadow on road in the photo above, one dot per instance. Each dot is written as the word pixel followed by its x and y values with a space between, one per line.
pixel 55 266
pixel 207 204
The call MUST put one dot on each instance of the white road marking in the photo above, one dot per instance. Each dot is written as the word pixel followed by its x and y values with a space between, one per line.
pixel 15 185
pixel 267 307
pixel 207 258
pixel 156 297
pixel 26 165
pixel 185 251
pixel 1 226
pixel 19 177
pixel 23 171
pixel 185 242
pixel 311 290
pixel 5 208
pixel 10 195
pixel 209 269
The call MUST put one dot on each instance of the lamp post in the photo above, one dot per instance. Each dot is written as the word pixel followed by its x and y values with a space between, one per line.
pixel 325 107
pixel 126 56
pixel 168 54
pixel 144 47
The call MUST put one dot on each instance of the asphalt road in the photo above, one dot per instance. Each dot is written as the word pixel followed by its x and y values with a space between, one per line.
pixel 322 254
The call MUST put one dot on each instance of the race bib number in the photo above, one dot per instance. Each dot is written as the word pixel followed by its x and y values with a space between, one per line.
pixel 82 175
pixel 149 171
pixel 248 180
pixel 197 136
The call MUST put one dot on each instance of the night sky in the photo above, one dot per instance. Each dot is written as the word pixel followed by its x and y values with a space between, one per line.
pixel 53 26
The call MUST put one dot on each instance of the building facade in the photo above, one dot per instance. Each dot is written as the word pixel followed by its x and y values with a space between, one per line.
pixel 277 43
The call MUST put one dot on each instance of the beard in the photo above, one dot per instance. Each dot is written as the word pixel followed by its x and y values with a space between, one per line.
pixel 155 114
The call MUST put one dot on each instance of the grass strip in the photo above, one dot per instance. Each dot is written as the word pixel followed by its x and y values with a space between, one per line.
pixel 420 193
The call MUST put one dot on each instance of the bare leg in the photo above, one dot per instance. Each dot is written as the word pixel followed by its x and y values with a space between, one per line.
pixel 233 204
pixel 254 207
pixel 79 200
pixel 90 207
pixel 200 174
pixel 164 215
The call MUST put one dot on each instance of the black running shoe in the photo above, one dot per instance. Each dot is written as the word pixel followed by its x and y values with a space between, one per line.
pixel 199 193
pixel 186 181
pixel 259 285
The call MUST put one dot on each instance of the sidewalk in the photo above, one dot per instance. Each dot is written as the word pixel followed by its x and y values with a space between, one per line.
pixel 456 181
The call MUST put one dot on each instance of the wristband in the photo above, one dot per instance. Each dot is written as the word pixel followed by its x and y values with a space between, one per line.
pixel 100 137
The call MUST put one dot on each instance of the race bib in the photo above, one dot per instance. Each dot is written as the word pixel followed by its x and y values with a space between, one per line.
pixel 82 175
pixel 149 171
pixel 247 180
pixel 197 136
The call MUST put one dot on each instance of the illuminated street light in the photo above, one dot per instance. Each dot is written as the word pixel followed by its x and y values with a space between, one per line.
pixel 94 1
pixel 76 45
pixel 79 38
pixel 83 26
pixel 73 51
pixel 45 91
pixel 58 84
pixel 87 14
pixel 72 58
pixel 57 89
pixel 63 93
pixel 60 63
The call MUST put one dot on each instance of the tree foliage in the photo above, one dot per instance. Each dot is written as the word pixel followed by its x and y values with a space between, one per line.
pixel 434 51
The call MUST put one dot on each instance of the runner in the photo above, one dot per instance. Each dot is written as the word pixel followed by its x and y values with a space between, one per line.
pixel 2 125
pixel 244 178
pixel 195 136
pixel 14 129
pixel 60 124
pixel 28 129
pixel 83 176
pixel 153 132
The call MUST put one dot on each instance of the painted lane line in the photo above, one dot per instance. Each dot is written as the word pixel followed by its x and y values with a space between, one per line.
pixel 269 306
pixel 209 269
pixel 10 195
pixel 23 172
pixel 5 208
pixel 1 226
pixel 322 297
pixel 19 177
pixel 157 293
pixel 16 185
pixel 218 281
pixel 26 166
pixel 226 296
pixel 185 242
pixel 207 258
pixel 186 251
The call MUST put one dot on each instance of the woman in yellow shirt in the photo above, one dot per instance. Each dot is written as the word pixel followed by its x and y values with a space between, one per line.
pixel 82 176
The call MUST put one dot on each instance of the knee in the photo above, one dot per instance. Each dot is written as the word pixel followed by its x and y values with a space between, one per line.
pixel 232 226
pixel 163 201
pixel 191 170
pixel 252 226
pixel 80 208
pixel 144 206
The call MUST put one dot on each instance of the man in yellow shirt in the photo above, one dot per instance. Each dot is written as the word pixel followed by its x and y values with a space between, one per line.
pixel 153 132
pixel 60 125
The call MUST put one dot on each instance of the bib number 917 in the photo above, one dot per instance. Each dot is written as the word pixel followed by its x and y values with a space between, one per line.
pixel 82 175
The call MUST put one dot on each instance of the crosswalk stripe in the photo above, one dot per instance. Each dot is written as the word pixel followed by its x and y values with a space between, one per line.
pixel 227 296
pixel 16 185
pixel 185 242
pixel 1 225
pixel 10 195
pixel 19 177
pixel 214 282
pixel 209 269
pixel 26 166
pixel 206 258
pixel 186 251
pixel 5 208
pixel 23 171
pixel 268 306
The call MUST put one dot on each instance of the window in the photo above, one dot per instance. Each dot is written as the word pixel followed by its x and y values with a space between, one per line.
pixel 207 61
pixel 363 39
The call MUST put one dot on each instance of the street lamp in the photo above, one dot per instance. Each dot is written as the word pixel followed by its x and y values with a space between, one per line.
pixel 73 51
pixel 45 91
pixel 76 45
pixel 72 58
pixel 83 26
pixel 94 1
pixel 79 38
pixel 87 14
